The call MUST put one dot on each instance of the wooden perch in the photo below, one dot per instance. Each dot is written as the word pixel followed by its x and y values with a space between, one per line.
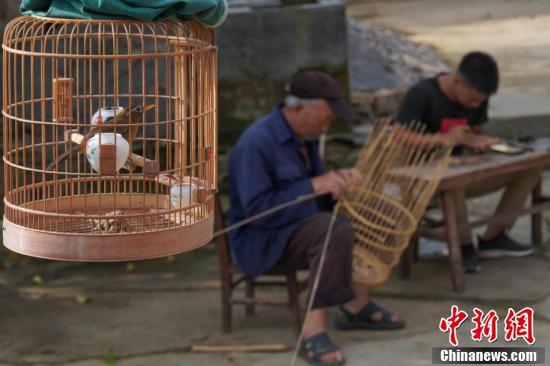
pixel 150 167
pixel 74 136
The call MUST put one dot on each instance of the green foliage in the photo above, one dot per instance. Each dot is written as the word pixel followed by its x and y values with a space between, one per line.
pixel 110 359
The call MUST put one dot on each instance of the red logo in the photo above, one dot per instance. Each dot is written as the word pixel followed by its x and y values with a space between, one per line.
pixel 520 325
pixel 517 325
pixel 485 325
pixel 452 323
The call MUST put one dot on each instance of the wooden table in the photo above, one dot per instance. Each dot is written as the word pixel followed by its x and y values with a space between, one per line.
pixel 458 177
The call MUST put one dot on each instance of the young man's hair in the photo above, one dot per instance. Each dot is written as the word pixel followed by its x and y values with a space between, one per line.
pixel 480 70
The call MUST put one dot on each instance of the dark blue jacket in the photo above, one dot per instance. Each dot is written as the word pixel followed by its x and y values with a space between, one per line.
pixel 266 168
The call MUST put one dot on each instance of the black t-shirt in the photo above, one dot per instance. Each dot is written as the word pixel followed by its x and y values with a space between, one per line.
pixel 425 102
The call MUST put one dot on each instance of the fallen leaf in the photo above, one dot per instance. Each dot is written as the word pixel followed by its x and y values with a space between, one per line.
pixel 37 280
pixel 82 299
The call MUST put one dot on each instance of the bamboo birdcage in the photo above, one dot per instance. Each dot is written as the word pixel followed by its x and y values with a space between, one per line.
pixel 400 174
pixel 57 75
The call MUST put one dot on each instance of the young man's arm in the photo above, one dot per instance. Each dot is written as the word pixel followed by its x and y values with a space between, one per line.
pixel 482 142
pixel 477 129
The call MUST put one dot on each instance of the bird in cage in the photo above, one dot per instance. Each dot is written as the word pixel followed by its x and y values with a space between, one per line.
pixel 125 123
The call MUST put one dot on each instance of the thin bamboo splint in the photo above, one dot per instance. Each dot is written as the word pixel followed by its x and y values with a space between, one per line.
pixel 400 175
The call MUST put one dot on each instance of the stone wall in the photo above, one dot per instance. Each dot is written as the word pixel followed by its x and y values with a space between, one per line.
pixel 262 45
pixel 261 48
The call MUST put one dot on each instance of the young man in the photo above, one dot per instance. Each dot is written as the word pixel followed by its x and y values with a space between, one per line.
pixel 453 107
pixel 275 161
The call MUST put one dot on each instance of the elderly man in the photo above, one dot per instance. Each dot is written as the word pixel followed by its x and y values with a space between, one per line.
pixel 453 107
pixel 276 160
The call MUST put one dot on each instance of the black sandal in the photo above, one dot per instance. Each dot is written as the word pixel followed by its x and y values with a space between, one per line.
pixel 363 319
pixel 315 347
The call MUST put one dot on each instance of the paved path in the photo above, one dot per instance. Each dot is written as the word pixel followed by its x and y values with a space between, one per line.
pixel 514 31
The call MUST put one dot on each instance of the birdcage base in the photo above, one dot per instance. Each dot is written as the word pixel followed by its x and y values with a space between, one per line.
pixel 67 242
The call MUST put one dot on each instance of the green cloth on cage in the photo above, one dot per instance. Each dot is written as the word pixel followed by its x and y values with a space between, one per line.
pixel 209 12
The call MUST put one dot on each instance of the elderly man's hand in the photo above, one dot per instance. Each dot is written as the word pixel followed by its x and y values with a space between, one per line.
pixel 336 182
pixel 352 176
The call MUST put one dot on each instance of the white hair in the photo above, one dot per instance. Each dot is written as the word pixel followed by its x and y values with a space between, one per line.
pixel 292 101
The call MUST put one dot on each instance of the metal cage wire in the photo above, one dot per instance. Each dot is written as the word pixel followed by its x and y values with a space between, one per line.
pixel 56 74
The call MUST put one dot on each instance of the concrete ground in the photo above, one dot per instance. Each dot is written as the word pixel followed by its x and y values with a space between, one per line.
pixel 151 312
pixel 514 31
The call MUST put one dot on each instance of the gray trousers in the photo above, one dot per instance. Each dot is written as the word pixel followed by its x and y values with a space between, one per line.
pixel 517 187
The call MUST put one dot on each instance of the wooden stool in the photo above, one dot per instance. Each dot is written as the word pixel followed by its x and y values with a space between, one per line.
pixel 231 276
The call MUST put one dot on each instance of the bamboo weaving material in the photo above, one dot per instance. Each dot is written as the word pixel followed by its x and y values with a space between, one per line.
pixel 400 175
pixel 57 73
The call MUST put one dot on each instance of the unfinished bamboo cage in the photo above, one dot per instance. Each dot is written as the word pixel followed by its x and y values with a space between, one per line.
pixel 109 137
pixel 400 175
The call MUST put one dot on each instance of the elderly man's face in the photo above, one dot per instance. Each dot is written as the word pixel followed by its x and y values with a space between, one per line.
pixel 315 119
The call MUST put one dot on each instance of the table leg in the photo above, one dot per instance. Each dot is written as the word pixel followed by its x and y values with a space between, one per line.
pixel 536 217
pixel 453 242
pixel 407 258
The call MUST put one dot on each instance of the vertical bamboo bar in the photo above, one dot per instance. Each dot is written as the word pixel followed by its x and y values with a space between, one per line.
pixel 180 75
pixel 144 185
pixel 6 188
pixel 62 106
pixel 214 127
